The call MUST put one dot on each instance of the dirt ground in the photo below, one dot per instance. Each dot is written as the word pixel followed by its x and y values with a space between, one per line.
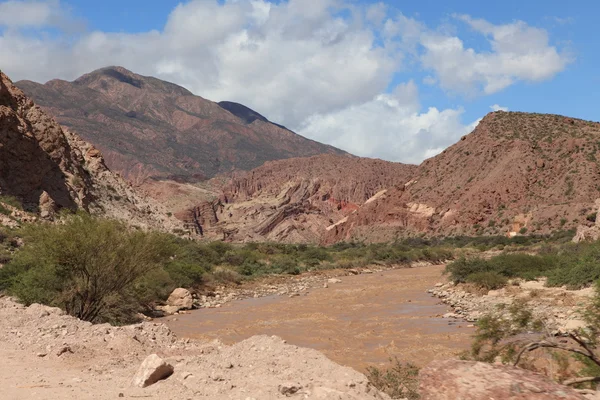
pixel 363 320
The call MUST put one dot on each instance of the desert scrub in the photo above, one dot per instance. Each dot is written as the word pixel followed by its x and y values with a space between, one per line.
pixel 522 339
pixel 399 380
pixel 573 265
pixel 96 270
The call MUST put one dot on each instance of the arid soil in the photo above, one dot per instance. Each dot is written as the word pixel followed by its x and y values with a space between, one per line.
pixel 47 355
pixel 362 320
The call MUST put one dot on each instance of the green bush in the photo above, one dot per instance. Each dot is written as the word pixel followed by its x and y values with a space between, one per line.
pixel 488 280
pixel 506 265
pixel 86 266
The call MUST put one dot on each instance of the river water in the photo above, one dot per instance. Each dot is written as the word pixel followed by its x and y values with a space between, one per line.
pixel 362 321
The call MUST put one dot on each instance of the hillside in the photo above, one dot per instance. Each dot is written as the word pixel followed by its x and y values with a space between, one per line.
pixel 294 200
pixel 515 173
pixel 146 127
pixel 45 168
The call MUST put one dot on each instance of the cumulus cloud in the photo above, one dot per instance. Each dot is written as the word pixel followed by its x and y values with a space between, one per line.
pixel 497 107
pixel 321 67
pixel 390 126
pixel 26 13
pixel 518 52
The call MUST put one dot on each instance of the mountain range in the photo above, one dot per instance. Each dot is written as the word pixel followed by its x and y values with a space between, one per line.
pixel 516 173
pixel 149 128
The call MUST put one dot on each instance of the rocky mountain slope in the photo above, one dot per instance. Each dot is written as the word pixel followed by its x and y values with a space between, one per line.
pixel 515 173
pixel 294 200
pixel 146 127
pixel 47 168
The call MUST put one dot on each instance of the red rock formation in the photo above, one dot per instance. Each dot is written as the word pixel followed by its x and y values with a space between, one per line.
pixel 515 172
pixel 48 168
pixel 296 200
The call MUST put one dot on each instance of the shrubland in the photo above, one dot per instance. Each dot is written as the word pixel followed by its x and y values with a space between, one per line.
pixel 573 265
pixel 105 271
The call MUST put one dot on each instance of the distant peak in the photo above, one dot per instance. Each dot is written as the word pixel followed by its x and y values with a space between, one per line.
pixel 242 112
pixel 123 75
pixel 118 73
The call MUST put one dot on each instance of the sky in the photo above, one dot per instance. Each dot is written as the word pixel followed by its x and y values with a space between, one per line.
pixel 397 80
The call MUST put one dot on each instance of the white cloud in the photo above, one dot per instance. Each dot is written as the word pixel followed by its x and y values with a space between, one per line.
pixel 322 67
pixel 518 52
pixel 390 126
pixel 497 107
pixel 26 13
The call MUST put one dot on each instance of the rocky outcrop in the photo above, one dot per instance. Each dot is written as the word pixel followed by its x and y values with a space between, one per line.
pixel 469 380
pixel 48 168
pixel 587 233
pixel 296 200
pixel 146 127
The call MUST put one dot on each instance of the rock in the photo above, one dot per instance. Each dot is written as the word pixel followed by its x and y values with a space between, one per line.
pixel 334 280
pixel 469 380
pixel 152 370
pixel 181 298
pixel 451 315
pixel 573 325
pixel 169 310
pixel 289 389
pixel 353 271
pixel 63 350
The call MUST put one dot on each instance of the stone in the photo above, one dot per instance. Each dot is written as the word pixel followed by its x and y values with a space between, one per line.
pixel 181 298
pixel 469 380
pixel 289 389
pixel 169 310
pixel 334 280
pixel 573 325
pixel 152 370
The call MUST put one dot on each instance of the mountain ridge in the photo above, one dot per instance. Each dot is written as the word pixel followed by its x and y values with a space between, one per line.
pixel 146 127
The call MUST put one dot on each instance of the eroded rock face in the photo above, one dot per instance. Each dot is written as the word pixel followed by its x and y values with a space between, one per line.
pixel 515 173
pixel 48 168
pixel 295 200
pixel 469 380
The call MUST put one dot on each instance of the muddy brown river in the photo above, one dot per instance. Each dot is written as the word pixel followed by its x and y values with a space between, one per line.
pixel 362 321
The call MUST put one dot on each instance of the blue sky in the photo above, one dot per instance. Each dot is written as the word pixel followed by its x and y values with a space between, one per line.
pixel 397 80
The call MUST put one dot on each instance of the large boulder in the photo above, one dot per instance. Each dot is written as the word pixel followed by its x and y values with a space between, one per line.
pixel 181 298
pixel 469 380
pixel 152 370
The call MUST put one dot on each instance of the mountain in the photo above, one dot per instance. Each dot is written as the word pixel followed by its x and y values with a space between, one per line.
pixel 47 168
pixel 146 127
pixel 515 173
pixel 294 200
